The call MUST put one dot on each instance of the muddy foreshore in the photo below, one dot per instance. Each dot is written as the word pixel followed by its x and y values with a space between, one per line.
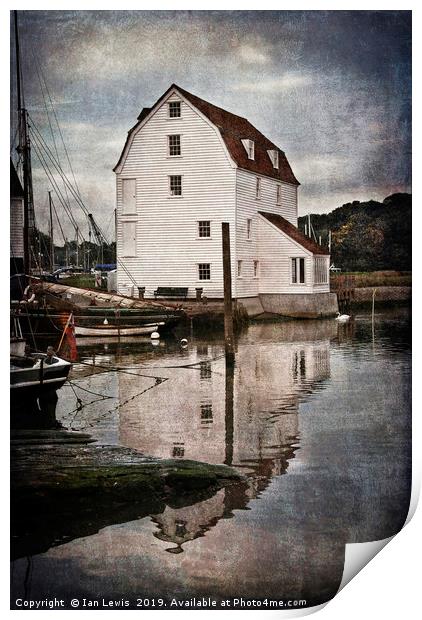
pixel 64 487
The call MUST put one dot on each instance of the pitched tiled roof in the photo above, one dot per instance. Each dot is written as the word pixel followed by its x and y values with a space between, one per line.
pixel 294 233
pixel 233 130
pixel 143 114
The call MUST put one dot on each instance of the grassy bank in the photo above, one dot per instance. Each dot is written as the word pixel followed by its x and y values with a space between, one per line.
pixel 83 280
pixel 362 279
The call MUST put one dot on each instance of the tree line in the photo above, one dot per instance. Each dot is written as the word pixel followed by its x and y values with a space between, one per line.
pixel 368 236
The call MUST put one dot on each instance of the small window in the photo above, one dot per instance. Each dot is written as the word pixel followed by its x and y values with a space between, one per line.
pixel 205 370
pixel 174 145
pixel 249 148
pixel 176 185
pixel 204 228
pixel 279 194
pixel 204 271
pixel 298 270
pixel 273 155
pixel 178 450
pixel 206 413
pixel 174 109
pixel 248 229
pixel 256 269
pixel 239 268
pixel 180 528
pixel 258 188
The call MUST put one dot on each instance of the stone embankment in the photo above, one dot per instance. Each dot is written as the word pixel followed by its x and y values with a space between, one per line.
pixel 384 294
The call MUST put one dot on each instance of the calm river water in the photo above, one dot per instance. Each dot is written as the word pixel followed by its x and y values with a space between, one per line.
pixel 316 415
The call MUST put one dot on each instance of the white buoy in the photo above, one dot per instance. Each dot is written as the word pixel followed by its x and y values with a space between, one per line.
pixel 105 322
pixel 183 341
pixel 155 335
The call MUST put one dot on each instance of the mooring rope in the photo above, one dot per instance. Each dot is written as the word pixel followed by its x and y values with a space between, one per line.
pixel 158 381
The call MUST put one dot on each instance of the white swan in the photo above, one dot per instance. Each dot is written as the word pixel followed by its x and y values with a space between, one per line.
pixel 342 318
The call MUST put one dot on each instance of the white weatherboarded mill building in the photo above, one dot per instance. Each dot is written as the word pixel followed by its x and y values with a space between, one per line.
pixel 186 167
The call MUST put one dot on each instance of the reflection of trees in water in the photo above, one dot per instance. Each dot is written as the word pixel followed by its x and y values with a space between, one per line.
pixel 246 418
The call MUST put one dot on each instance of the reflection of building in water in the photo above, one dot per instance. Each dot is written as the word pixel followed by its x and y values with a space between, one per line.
pixel 248 420
pixel 187 415
pixel 178 525
pixel 272 378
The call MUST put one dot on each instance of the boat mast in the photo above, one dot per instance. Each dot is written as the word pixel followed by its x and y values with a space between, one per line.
pixel 51 234
pixel 77 246
pixel 24 150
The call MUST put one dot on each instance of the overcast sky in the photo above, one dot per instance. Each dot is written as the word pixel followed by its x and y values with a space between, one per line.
pixel 332 89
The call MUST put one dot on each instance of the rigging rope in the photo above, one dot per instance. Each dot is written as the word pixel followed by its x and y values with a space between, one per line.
pixel 62 174
pixel 55 186
pixel 40 72
pixel 58 221
pixel 38 68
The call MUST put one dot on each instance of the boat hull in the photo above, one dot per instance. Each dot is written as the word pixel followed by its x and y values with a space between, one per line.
pixel 39 378
pixel 111 330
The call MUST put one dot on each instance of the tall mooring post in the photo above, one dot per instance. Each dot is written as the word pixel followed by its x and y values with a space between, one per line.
pixel 228 304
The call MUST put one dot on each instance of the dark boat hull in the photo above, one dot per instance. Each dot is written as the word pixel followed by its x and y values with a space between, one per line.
pixel 25 381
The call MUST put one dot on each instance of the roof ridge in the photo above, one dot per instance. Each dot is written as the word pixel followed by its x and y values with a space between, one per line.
pixel 216 107
pixel 234 133
pixel 261 142
pixel 232 128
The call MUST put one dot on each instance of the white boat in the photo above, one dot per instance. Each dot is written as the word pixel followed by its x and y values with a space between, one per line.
pixel 31 373
pixel 112 330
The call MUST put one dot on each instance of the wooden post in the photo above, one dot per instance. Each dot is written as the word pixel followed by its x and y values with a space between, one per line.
pixel 373 313
pixel 228 305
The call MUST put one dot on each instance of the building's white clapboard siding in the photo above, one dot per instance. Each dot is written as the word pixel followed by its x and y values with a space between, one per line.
pixel 168 249
pixel 276 251
pixel 16 228
pixel 247 207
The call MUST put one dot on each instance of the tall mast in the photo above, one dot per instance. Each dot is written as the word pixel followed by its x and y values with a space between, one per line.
pixel 24 150
pixel 51 234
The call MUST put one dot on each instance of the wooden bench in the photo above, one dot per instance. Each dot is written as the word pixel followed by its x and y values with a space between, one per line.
pixel 171 291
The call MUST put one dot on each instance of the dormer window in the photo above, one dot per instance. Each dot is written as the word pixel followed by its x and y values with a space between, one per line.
pixel 249 148
pixel 174 109
pixel 273 155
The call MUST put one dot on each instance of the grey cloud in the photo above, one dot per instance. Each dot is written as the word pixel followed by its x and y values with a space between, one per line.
pixel 331 88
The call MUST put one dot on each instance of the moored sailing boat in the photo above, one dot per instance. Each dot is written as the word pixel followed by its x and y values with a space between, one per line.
pixel 30 373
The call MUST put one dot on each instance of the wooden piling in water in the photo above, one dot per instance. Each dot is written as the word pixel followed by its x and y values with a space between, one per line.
pixel 228 304
pixel 345 290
